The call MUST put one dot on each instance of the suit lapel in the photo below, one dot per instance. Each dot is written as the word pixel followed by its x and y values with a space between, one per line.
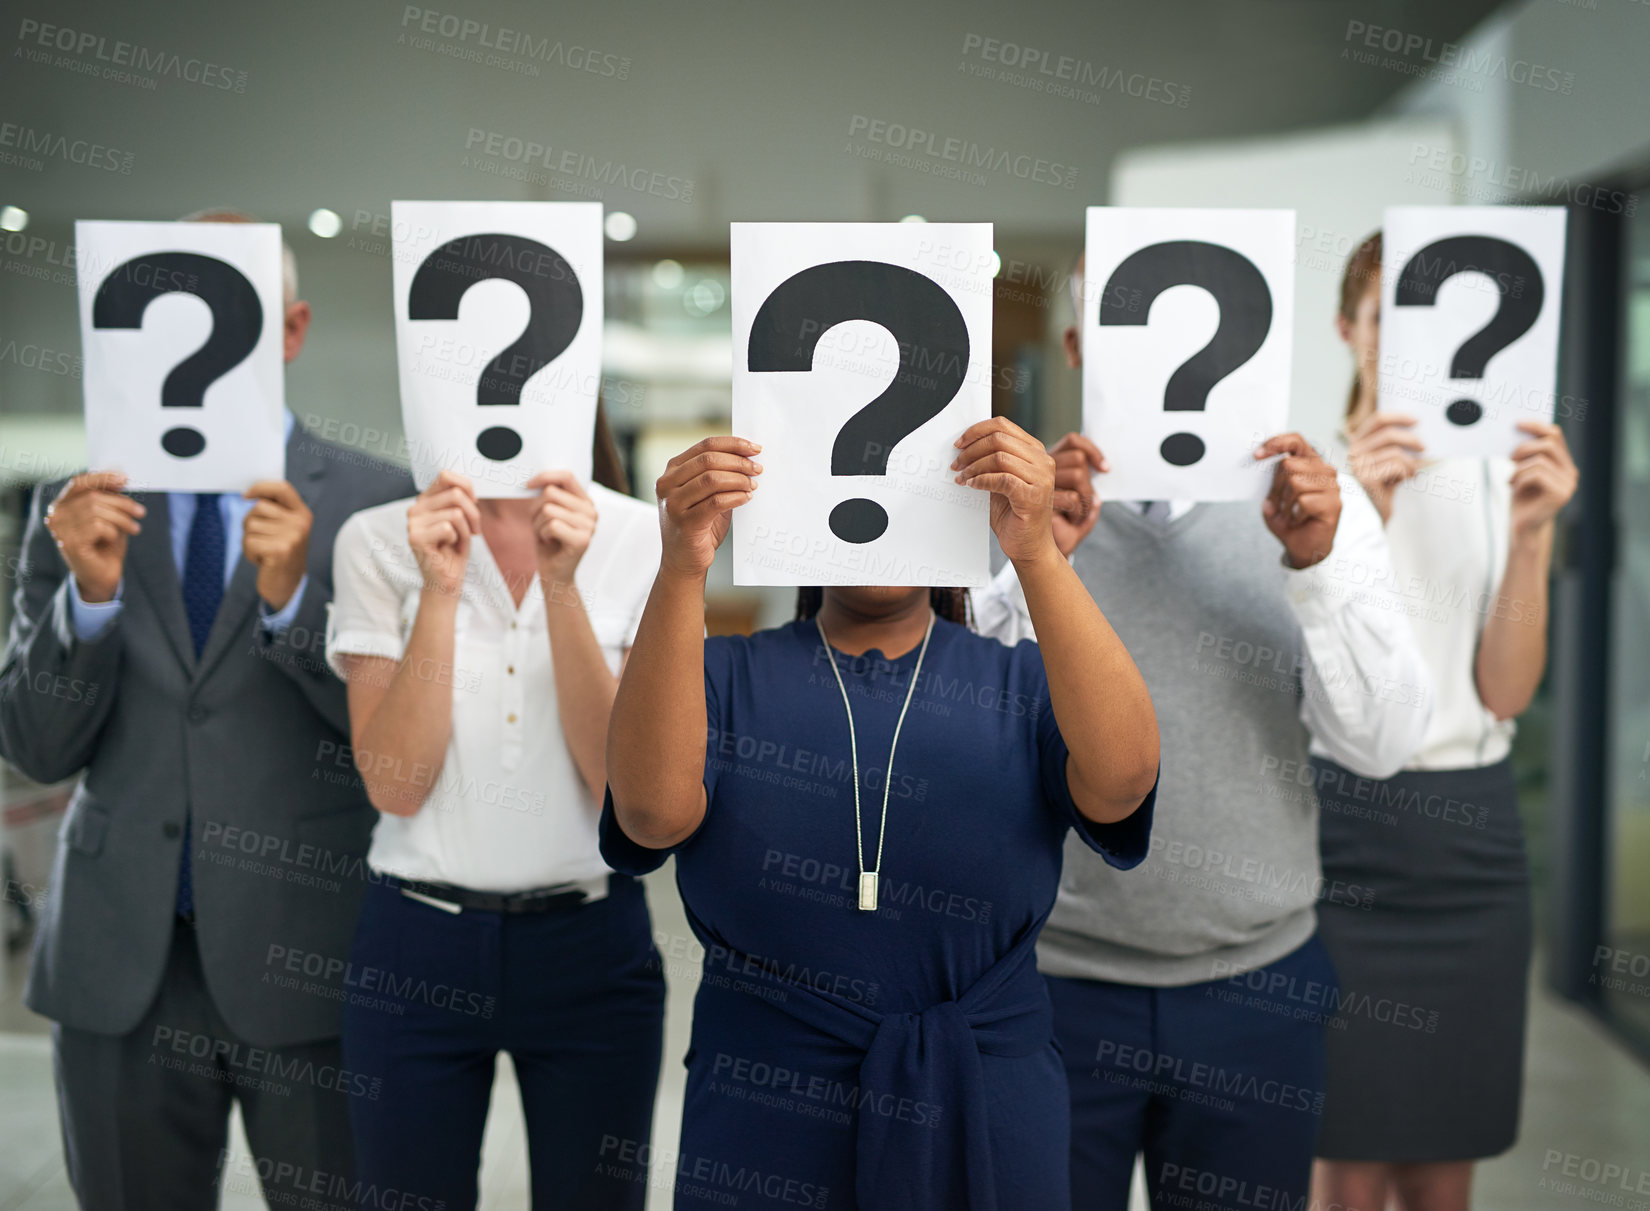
pixel 149 559
pixel 234 623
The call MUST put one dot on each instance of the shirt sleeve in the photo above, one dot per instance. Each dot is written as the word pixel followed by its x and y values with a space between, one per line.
pixel 279 620
pixel 364 618
pixel 91 618
pixel 1122 843
pixel 1366 691
pixel 1000 609
pixel 631 858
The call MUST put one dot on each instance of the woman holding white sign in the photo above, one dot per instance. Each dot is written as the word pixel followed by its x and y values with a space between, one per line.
pixel 482 641
pixel 1417 1094
pixel 871 1028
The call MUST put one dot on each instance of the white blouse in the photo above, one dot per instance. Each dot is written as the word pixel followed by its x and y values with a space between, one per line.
pixel 1448 536
pixel 508 810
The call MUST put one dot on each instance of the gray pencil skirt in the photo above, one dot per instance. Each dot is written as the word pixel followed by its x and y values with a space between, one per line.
pixel 1430 934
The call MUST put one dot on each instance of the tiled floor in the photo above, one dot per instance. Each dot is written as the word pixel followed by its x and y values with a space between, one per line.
pixel 1585 1139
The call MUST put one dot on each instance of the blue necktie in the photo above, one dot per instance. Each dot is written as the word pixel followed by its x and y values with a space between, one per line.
pixel 202 592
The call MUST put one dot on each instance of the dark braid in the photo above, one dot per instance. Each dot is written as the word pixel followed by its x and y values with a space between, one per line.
pixel 951 604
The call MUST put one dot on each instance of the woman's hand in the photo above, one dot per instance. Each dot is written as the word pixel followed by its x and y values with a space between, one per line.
pixel 564 522
pixel 698 490
pixel 1543 480
pixel 439 526
pixel 1000 457
pixel 1384 452
pixel 1076 506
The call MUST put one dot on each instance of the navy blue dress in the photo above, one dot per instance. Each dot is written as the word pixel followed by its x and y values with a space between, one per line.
pixel 902 1058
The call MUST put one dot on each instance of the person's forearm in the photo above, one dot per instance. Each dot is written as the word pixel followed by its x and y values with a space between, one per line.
pixel 1100 700
pixel 1512 651
pixel 656 739
pixel 400 750
pixel 584 684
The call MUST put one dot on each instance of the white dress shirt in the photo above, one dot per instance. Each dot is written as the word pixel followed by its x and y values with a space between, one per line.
pixel 508 810
pixel 1366 691
pixel 1449 532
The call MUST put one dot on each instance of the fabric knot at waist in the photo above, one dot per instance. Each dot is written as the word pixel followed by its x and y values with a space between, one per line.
pixel 923 1141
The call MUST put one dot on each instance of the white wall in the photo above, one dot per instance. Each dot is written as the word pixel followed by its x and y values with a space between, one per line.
pixel 1338 182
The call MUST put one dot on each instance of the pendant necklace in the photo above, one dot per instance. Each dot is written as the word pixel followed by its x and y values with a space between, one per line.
pixel 868 878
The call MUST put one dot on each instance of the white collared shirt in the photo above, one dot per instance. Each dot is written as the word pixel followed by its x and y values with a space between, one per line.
pixel 508 810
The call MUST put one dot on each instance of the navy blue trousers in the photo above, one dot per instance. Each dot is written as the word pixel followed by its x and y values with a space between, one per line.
pixel 575 997
pixel 1219 1085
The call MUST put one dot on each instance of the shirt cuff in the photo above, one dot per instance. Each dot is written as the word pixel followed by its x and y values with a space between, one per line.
pixel 91 618
pixel 282 618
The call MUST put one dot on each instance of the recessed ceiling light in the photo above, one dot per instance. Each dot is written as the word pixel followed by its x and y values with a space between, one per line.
pixel 13 218
pixel 325 223
pixel 668 275
pixel 620 226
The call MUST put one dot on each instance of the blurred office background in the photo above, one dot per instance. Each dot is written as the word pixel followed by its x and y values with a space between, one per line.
pixel 680 118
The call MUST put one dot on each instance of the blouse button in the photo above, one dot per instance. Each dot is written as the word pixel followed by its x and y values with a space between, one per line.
pixel 511 718
pixel 511 669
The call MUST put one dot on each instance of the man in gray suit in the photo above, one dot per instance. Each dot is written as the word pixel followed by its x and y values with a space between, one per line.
pixel 170 645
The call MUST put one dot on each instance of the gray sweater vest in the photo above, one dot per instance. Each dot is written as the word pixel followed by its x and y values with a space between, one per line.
pixel 1233 871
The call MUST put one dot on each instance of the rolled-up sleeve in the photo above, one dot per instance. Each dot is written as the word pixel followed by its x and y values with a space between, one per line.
pixel 368 583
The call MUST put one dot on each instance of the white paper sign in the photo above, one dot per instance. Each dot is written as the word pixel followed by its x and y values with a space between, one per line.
pixel 1469 322
pixel 498 326
pixel 1187 316
pixel 181 325
pixel 861 351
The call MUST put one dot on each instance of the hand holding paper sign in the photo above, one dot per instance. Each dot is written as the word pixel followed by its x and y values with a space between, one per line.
pixel 1544 477
pixel 564 522
pixel 439 525
pixel 91 520
pixel 697 492
pixel 275 536
pixel 1383 453
pixel 1076 504
pixel 1303 509
pixel 1002 458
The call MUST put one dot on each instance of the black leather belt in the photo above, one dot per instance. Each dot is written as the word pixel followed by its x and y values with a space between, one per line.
pixel 547 899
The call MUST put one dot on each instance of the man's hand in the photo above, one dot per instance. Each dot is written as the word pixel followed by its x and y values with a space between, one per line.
pixel 275 536
pixel 91 520
pixel 1003 459
pixel 1076 507
pixel 1304 506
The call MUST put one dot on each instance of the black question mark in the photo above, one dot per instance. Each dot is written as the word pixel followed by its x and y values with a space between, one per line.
pixel 1245 303
pixel 555 310
pixel 237 322
pixel 1508 266
pixel 933 358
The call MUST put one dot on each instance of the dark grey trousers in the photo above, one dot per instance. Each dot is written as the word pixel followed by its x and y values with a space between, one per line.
pixel 145 1115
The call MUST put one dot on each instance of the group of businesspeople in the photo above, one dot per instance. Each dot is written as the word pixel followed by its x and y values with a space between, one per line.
pixel 1191 838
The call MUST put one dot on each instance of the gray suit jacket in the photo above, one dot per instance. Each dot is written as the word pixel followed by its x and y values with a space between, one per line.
pixel 251 739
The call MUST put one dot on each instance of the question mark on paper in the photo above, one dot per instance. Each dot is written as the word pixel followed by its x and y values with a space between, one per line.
pixel 1516 276
pixel 1240 292
pixel 555 309
pixel 237 322
pixel 932 337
